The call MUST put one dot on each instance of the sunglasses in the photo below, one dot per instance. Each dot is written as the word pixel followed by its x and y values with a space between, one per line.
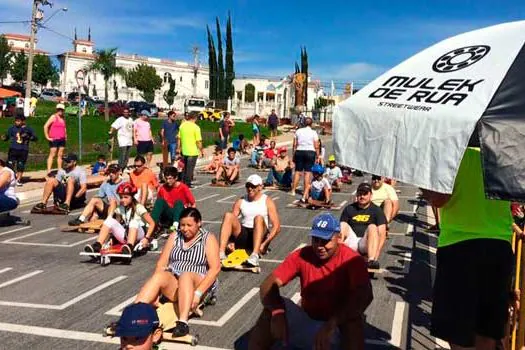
pixel 376 178
pixel 361 194
pixel 250 186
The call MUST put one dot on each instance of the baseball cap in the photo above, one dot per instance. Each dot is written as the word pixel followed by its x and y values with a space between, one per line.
pixel 20 117
pixel 376 177
pixel 364 187
pixel 70 157
pixel 145 113
pixel 137 320
pixel 254 179
pixel 113 168
pixel 325 226
pixel 60 106
pixel 282 149
pixel 331 158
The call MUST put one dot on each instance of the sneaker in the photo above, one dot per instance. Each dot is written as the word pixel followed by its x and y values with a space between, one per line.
pixel 75 222
pixel 292 193
pixel 373 264
pixel 63 207
pixel 19 184
pixel 181 329
pixel 222 256
pixel 126 250
pixel 253 260
pixel 304 200
pixel 214 181
pixel 92 248
pixel 39 206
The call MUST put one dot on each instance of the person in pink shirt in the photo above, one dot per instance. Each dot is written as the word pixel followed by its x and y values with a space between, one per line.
pixel 56 133
pixel 143 136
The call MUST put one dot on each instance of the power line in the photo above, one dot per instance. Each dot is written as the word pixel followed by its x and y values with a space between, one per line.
pixel 11 22
pixel 55 32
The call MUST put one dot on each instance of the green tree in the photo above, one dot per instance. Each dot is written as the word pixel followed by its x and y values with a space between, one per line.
pixel 19 67
pixel 106 64
pixel 44 70
pixel 145 79
pixel 212 66
pixel 5 59
pixel 229 69
pixel 304 70
pixel 169 96
pixel 94 91
pixel 115 89
pixel 221 93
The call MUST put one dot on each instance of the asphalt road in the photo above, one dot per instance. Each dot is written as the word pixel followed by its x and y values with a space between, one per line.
pixel 52 298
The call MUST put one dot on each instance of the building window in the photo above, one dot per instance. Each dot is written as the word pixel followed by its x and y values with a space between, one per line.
pixel 84 50
pixel 206 84
pixel 239 95
pixel 27 45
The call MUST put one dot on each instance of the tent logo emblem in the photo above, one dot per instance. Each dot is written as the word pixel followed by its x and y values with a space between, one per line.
pixel 460 58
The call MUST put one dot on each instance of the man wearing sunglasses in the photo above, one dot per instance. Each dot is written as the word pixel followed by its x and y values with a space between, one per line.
pixel 145 180
pixel 363 225
pixel 252 224
pixel 335 292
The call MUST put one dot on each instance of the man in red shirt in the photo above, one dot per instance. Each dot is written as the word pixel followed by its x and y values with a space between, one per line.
pixel 335 292
pixel 269 155
pixel 172 198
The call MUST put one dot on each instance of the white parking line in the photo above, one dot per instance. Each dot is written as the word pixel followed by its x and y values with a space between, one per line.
pixel 68 303
pixel 207 197
pixel 15 230
pixel 283 226
pixel 29 235
pixel 6 269
pixel 397 324
pixel 441 344
pixel 21 278
pixel 117 310
pixel 230 313
pixel 226 199
pixel 52 244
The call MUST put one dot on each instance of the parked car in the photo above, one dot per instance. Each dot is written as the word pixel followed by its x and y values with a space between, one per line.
pixel 212 115
pixel 137 106
pixel 50 95
pixel 115 109
pixel 74 96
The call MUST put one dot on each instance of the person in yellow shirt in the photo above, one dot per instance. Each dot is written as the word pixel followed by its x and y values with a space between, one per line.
pixel 385 197
pixel 189 144
pixel 32 106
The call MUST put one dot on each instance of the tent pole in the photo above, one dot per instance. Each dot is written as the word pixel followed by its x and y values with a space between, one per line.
pixel 517 283
pixel 521 315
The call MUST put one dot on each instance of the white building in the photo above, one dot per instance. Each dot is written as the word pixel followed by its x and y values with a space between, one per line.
pixel 19 43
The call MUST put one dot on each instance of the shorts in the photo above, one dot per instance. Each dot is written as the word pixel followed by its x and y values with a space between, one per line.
pixel 244 240
pixel 120 233
pixel 302 329
pixel 357 244
pixel 318 196
pixel 304 160
pixel 104 213
pixel 471 291
pixel 59 196
pixel 144 147
pixel 17 158
pixel 57 143
pixel 273 127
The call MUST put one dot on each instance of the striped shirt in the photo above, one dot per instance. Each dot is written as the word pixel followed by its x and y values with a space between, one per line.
pixel 192 258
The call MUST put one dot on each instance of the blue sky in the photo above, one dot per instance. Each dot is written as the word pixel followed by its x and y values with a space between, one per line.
pixel 346 40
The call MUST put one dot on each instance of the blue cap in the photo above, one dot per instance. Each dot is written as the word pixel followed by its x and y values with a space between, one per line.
pixel 325 226
pixel 146 113
pixel 137 320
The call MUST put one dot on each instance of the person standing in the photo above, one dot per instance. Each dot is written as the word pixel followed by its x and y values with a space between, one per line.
pixel 144 137
pixel 123 125
pixel 168 136
pixel 32 106
pixel 56 133
pixel 474 261
pixel 273 123
pixel 19 106
pixel 20 135
pixel 225 129
pixel 305 152
pixel 256 129
pixel 189 144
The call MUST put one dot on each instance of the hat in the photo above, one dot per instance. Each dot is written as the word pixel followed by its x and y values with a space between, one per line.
pixel 60 106
pixel 137 320
pixel 145 113
pixel 376 177
pixel 364 187
pixel 113 168
pixel 282 149
pixel 331 158
pixel 325 226
pixel 70 157
pixel 254 179
pixel 20 117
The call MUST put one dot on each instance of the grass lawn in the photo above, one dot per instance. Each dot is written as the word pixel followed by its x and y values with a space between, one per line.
pixel 95 137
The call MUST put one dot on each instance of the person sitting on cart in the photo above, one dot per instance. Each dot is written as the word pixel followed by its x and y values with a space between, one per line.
pixel 269 156
pixel 144 180
pixel 247 226
pixel 333 174
pixel 139 327
pixel 105 202
pixel 319 192
pixel 385 197
pixel 127 225
pixel 68 187
pixel 229 171
pixel 187 269
pixel 281 170
pixel 8 199
pixel 215 162
pixel 241 145
pixel 99 168
pixel 258 153
pixel 174 195
pixel 335 292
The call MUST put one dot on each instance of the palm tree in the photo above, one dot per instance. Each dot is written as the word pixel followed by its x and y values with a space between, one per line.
pixel 106 64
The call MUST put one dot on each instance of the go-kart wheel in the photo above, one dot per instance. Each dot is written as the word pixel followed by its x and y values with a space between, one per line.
pixel 195 340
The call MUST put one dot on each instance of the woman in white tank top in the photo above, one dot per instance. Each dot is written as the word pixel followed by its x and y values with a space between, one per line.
pixel 8 199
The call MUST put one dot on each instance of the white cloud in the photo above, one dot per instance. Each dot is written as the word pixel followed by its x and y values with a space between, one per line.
pixel 350 71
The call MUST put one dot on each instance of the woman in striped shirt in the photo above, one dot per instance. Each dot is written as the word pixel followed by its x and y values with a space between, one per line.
pixel 187 268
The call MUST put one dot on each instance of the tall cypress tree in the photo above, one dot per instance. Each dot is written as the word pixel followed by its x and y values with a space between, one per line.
pixel 229 70
pixel 304 70
pixel 220 64
pixel 212 66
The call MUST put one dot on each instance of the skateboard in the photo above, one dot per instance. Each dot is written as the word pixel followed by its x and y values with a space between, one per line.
pixel 89 227
pixel 298 204
pixel 49 211
pixel 236 260
pixel 108 252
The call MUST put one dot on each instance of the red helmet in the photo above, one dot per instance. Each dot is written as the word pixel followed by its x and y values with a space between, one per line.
pixel 126 188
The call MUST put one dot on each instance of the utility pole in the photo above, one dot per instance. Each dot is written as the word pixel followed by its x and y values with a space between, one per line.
pixel 195 68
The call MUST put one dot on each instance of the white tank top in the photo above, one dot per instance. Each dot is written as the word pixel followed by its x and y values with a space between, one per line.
pixel 250 209
pixel 9 189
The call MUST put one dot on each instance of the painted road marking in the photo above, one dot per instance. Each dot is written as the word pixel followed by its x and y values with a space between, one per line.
pixel 226 199
pixel 6 269
pixel 397 324
pixel 52 244
pixel 207 197
pixel 283 226
pixel 68 303
pixel 117 310
pixel 21 278
pixel 441 344
pixel 29 235
pixel 15 230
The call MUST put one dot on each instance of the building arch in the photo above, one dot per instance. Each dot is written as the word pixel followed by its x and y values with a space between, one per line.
pixel 249 93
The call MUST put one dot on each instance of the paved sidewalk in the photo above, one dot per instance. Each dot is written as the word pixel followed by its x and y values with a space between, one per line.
pixel 34 180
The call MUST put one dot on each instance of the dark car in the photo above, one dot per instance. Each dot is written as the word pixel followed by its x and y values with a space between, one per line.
pixel 116 109
pixel 137 106
pixel 73 97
